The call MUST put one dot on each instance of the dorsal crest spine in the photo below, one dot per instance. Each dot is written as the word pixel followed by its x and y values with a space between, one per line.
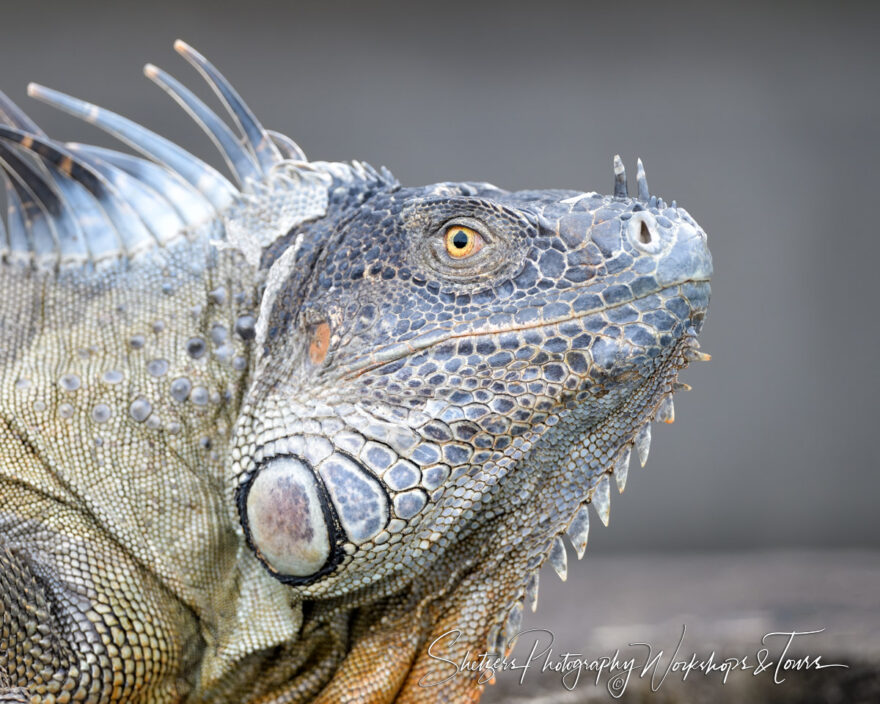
pixel 74 205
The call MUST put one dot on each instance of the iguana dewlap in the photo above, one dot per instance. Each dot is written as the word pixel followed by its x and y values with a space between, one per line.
pixel 267 439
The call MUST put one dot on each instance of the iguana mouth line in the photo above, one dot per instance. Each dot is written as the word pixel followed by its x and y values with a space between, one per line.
pixel 359 369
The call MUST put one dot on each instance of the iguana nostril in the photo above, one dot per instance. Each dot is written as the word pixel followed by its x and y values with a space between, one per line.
pixel 642 231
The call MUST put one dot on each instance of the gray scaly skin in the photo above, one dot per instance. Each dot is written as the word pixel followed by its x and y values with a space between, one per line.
pixel 270 441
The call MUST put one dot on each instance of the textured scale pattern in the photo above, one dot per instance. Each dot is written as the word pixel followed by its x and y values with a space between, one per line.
pixel 269 438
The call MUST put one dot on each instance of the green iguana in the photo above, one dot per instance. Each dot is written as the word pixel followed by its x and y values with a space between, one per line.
pixel 267 440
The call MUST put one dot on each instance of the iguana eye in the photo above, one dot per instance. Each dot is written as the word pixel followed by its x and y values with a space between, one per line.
pixel 462 241
pixel 465 248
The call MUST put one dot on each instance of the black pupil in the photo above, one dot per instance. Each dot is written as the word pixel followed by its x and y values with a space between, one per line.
pixel 460 239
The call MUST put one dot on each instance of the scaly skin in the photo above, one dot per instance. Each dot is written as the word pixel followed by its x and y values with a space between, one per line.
pixel 294 468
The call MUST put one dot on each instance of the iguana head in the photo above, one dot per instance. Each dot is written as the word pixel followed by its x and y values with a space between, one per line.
pixel 427 360
pixel 435 358
pixel 426 386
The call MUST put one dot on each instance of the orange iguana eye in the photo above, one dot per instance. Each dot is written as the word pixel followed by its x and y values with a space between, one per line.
pixel 462 241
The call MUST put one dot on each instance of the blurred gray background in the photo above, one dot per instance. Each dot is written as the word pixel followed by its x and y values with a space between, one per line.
pixel 763 121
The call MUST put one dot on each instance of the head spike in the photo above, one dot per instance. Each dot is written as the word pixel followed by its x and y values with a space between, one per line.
pixel 26 175
pixel 558 558
pixel 258 139
pixel 288 148
pixel 643 443
pixel 621 468
pixel 532 592
pixel 513 624
pixel 19 241
pixel 602 499
pixel 190 204
pixel 206 179
pixel 151 206
pixel 619 178
pixel 694 355
pixel 666 410
pixel 579 530
pixel 43 237
pixel 14 116
pixel 131 229
pixel 54 212
pixel 240 161
pixel 102 241
pixel 31 174
pixel 644 193
pixel 4 240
